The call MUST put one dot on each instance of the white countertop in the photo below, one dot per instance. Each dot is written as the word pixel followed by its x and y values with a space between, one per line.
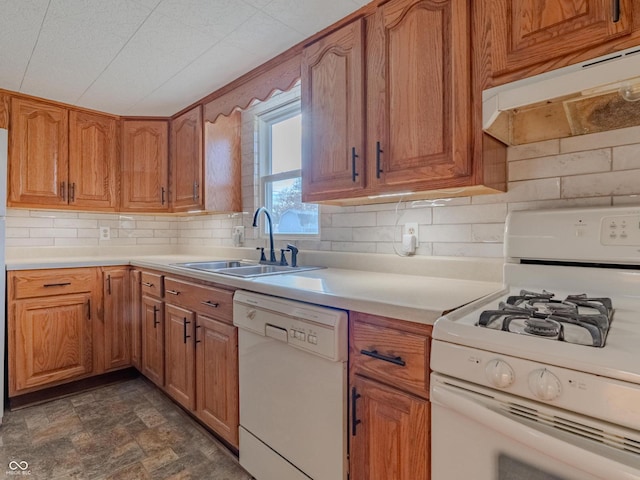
pixel 416 298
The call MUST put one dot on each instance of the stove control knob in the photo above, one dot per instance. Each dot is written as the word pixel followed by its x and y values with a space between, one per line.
pixel 499 373
pixel 544 384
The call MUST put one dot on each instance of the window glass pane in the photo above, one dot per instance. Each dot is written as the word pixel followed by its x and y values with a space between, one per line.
pixel 286 145
pixel 289 214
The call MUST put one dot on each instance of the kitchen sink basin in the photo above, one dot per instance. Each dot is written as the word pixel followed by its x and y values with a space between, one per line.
pixel 217 264
pixel 243 268
pixel 260 270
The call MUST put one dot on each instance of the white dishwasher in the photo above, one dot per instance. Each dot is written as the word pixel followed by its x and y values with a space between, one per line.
pixel 293 388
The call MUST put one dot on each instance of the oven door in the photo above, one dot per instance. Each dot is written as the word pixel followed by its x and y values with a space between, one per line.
pixel 486 435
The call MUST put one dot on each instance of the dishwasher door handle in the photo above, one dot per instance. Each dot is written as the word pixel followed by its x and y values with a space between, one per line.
pixel 278 333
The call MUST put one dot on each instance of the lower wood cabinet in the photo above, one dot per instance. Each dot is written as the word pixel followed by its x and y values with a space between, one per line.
pixel 390 439
pixel 135 312
pixel 50 320
pixel 116 318
pixel 153 339
pixel 179 354
pixel 389 411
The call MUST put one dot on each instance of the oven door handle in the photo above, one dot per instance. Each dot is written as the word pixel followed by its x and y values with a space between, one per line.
pixel 538 437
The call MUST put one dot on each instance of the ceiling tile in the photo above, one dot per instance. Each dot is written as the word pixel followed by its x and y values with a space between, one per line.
pixel 77 42
pixel 150 4
pixel 309 16
pixel 19 26
pixel 258 3
pixel 218 66
pixel 159 50
pixel 264 37
pixel 217 17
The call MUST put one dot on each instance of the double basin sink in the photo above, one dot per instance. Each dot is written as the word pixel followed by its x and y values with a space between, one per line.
pixel 243 268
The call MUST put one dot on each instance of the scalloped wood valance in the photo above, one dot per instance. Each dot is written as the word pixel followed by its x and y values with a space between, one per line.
pixel 260 87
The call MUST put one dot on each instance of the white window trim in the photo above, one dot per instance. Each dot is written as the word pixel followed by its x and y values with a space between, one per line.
pixel 265 119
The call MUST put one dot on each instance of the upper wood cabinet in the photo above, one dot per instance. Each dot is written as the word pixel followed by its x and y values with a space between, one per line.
pixel 417 125
pixel 62 158
pixel 527 32
pixel 186 166
pixel 223 164
pixel 93 161
pixel 38 156
pixel 145 165
pixel 333 114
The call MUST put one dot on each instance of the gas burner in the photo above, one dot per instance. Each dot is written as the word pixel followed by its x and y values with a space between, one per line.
pixel 578 319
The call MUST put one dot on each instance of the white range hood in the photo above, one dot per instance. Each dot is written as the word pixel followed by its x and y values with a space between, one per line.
pixel 597 95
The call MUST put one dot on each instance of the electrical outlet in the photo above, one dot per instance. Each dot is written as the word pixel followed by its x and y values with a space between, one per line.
pixel 411 228
pixel 105 233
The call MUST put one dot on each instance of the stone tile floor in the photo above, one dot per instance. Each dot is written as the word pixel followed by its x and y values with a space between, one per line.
pixel 124 431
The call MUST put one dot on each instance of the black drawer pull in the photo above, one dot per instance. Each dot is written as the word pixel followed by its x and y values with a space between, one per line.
pixel 172 292
pixel 616 11
pixel 65 284
pixel 386 358
pixel 155 317
pixel 209 303
pixel 185 322
pixel 147 284
pixel 354 419
pixel 354 157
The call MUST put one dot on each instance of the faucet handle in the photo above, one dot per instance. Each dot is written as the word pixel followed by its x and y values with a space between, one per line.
pixel 262 257
pixel 283 258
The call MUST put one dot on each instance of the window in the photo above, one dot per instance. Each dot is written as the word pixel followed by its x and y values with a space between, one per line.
pixel 280 172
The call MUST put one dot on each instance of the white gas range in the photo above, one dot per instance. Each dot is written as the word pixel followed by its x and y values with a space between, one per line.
pixel 542 379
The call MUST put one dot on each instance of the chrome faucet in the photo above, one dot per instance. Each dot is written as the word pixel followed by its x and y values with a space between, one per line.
pixel 272 253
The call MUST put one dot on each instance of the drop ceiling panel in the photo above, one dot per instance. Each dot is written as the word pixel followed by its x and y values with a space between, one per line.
pixel 88 33
pixel 19 27
pixel 147 57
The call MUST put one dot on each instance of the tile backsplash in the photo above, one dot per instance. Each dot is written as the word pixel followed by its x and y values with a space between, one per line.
pixel 591 170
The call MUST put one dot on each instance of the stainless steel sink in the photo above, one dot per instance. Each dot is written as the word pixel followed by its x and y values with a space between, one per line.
pixel 261 270
pixel 243 268
pixel 217 264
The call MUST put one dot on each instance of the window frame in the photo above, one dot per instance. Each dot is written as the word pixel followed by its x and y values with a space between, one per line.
pixel 265 120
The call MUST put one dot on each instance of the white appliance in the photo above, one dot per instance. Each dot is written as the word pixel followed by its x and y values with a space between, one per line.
pixel 4 149
pixel 530 385
pixel 293 388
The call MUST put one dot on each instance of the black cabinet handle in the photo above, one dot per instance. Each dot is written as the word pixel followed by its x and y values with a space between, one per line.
pixel 147 284
pixel 155 316
pixel 195 191
pixel 162 195
pixel 379 153
pixel 386 358
pixel 65 284
pixel 616 11
pixel 172 292
pixel 354 419
pixel 63 189
pixel 209 303
pixel 354 157
pixel 109 284
pixel 72 192
pixel 185 322
pixel 89 308
pixel 196 334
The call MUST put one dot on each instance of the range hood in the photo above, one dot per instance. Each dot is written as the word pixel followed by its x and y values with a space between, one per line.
pixel 594 96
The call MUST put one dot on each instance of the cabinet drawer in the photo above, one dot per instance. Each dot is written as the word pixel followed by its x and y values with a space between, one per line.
pixel 209 300
pixel 151 284
pixel 392 356
pixel 45 283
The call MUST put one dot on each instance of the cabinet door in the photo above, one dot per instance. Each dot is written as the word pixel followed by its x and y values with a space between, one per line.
pixel 217 377
pixel 135 296
pixel 526 32
pixel 52 341
pixel 392 438
pixel 117 325
pixel 418 105
pixel 333 115
pixel 153 340
pixel 179 355
pixel 145 165
pixel 93 160
pixel 38 157
pixel 186 161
